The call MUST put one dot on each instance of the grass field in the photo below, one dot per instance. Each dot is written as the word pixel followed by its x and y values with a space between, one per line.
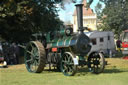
pixel 115 73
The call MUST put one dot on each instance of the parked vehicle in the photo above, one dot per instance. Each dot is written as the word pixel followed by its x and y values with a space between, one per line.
pixel 3 63
pixel 124 40
pixel 102 41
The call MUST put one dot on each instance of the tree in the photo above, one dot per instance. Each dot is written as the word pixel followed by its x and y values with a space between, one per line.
pixel 115 16
pixel 21 18
pixel 98 9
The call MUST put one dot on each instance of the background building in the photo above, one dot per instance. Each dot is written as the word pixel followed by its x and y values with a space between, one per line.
pixel 89 18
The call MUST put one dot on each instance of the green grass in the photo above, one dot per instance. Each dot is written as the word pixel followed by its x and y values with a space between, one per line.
pixel 115 73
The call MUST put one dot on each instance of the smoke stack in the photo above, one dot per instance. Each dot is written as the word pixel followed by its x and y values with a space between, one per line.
pixel 79 16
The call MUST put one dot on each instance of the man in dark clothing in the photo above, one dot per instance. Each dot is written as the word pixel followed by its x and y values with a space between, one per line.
pixel 6 52
pixel 12 55
pixel 16 52
pixel 16 48
pixel 118 44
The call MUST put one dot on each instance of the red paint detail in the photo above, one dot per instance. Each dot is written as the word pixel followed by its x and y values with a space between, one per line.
pixel 125 44
pixel 126 57
pixel 54 49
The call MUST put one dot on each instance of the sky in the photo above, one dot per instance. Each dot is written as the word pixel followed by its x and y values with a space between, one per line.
pixel 66 15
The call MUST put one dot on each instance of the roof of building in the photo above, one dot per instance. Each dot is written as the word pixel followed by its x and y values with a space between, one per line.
pixel 86 11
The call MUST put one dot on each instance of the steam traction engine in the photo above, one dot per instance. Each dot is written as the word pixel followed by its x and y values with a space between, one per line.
pixel 65 49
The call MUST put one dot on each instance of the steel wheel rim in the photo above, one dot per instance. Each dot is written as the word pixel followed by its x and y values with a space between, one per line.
pixel 67 64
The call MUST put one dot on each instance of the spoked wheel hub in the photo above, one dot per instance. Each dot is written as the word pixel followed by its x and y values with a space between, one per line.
pixel 96 63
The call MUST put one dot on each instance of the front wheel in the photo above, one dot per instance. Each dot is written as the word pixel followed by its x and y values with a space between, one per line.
pixel 96 62
pixel 68 67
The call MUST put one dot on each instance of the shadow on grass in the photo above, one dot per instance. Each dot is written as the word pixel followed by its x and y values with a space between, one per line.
pixel 85 71
pixel 114 71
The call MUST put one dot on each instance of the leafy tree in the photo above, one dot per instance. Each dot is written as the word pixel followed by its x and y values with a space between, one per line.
pixel 21 18
pixel 115 16
pixel 98 9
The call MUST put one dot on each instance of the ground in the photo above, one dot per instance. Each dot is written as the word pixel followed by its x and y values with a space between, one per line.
pixel 115 73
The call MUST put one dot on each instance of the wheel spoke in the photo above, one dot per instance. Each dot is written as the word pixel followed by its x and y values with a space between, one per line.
pixel 69 59
pixel 30 52
pixel 36 54
pixel 71 64
pixel 36 64
pixel 64 61
pixel 32 67
pixel 65 68
pixel 65 58
pixel 96 68
pixel 70 68
pixel 30 60
pixel 31 46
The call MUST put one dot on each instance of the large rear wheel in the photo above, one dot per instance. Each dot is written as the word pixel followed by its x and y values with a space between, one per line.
pixel 68 66
pixel 35 57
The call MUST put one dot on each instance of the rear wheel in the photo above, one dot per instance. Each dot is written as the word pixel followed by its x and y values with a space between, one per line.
pixel 96 62
pixel 67 64
pixel 35 57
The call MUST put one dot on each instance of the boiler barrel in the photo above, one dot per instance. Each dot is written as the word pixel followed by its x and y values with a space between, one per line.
pixel 78 44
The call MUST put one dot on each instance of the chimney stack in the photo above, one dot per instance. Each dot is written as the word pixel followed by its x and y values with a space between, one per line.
pixel 79 10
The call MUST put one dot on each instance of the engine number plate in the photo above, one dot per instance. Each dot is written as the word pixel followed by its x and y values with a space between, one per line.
pixel 75 61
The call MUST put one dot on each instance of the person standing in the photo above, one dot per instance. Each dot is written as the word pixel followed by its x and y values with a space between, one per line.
pixel 6 52
pixel 118 44
pixel 12 54
pixel 16 50
pixel 1 48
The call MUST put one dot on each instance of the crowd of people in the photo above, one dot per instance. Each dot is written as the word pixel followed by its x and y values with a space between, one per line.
pixel 10 52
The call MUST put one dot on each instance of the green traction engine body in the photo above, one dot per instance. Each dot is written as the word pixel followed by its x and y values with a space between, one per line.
pixel 77 43
pixel 64 50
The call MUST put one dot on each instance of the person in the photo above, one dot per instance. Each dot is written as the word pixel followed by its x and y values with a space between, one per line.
pixel 118 44
pixel 1 51
pixel 6 52
pixel 12 55
pixel 1 47
pixel 16 50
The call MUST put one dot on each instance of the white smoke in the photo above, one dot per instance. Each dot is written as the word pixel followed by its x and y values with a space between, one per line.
pixel 69 2
pixel 72 1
